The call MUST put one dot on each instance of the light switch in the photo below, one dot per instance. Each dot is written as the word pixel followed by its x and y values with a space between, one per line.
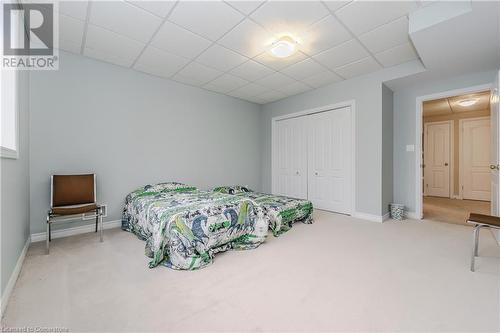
pixel 410 147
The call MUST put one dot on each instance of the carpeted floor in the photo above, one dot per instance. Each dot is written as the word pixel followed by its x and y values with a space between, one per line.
pixel 453 210
pixel 339 274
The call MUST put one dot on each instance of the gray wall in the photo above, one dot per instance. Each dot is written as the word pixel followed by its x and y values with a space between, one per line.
pixel 387 147
pixel 133 129
pixel 14 208
pixel 367 93
pixel 405 131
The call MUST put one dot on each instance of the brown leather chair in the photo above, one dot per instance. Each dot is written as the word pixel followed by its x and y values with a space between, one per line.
pixel 480 221
pixel 73 197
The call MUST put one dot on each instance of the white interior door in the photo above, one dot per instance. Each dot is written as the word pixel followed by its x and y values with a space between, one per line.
pixel 495 147
pixel 329 160
pixel 475 160
pixel 437 159
pixel 291 158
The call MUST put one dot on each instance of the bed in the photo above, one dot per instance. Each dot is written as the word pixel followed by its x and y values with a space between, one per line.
pixel 280 212
pixel 184 227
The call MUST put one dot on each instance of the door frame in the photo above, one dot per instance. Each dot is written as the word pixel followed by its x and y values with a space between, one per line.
pixel 348 103
pixel 460 151
pixel 418 138
pixel 451 158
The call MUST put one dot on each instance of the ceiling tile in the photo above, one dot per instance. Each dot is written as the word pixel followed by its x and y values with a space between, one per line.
pixel 239 94
pixel 227 83
pixel 289 16
pixel 220 58
pixel 197 73
pixel 107 42
pixel 271 96
pixel 247 38
pixel 397 55
pixel 257 100
pixel 294 88
pixel 210 19
pixel 250 90
pixel 125 19
pixel 322 79
pixel 246 7
pixel 158 8
pixel 386 36
pixel 341 55
pixel 70 46
pixel 251 71
pixel 279 63
pixel 361 67
pixel 304 69
pixel 70 30
pixel 327 33
pixel 106 56
pixel 187 80
pixel 334 5
pixel 276 80
pixel 355 14
pixel 179 41
pixel 76 9
pixel 157 62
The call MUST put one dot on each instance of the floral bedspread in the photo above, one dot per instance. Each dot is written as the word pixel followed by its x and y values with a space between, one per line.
pixel 184 227
pixel 281 212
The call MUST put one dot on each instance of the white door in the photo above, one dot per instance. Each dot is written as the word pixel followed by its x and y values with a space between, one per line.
pixel 437 159
pixel 291 161
pixel 475 160
pixel 495 148
pixel 329 160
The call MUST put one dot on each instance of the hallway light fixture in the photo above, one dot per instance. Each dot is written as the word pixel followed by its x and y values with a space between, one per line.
pixel 467 102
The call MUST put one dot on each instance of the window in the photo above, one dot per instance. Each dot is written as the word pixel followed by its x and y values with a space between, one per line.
pixel 9 114
pixel 9 105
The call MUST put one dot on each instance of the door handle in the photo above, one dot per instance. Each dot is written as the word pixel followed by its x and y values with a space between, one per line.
pixel 316 173
pixel 493 167
pixel 446 164
pixel 297 173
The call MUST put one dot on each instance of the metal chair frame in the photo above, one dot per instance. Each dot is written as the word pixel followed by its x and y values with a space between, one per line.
pixel 475 240
pixel 54 218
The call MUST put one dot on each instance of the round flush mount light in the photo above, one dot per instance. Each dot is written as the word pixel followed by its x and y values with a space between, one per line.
pixel 467 102
pixel 283 47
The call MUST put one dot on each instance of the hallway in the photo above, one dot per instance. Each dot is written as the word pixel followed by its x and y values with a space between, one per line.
pixel 453 210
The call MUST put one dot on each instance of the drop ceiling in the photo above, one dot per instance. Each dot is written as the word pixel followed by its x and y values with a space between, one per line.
pixel 450 105
pixel 222 46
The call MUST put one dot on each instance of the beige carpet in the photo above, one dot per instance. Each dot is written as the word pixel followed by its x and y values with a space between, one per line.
pixel 452 210
pixel 339 274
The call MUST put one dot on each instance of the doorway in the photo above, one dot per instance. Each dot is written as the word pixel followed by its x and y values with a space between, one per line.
pixel 456 157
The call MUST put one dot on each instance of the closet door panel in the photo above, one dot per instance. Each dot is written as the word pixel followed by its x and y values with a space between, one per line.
pixel 329 149
pixel 291 166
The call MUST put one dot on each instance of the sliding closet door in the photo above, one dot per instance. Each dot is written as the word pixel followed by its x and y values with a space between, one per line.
pixel 329 160
pixel 290 158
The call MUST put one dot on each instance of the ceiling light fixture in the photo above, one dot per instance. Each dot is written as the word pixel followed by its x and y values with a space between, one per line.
pixel 467 102
pixel 283 47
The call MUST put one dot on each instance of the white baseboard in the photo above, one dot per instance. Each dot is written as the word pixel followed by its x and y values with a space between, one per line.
pixel 13 278
pixel 413 216
pixel 38 237
pixel 370 217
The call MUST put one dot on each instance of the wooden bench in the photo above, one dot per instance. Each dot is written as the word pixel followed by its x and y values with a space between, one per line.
pixel 479 222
